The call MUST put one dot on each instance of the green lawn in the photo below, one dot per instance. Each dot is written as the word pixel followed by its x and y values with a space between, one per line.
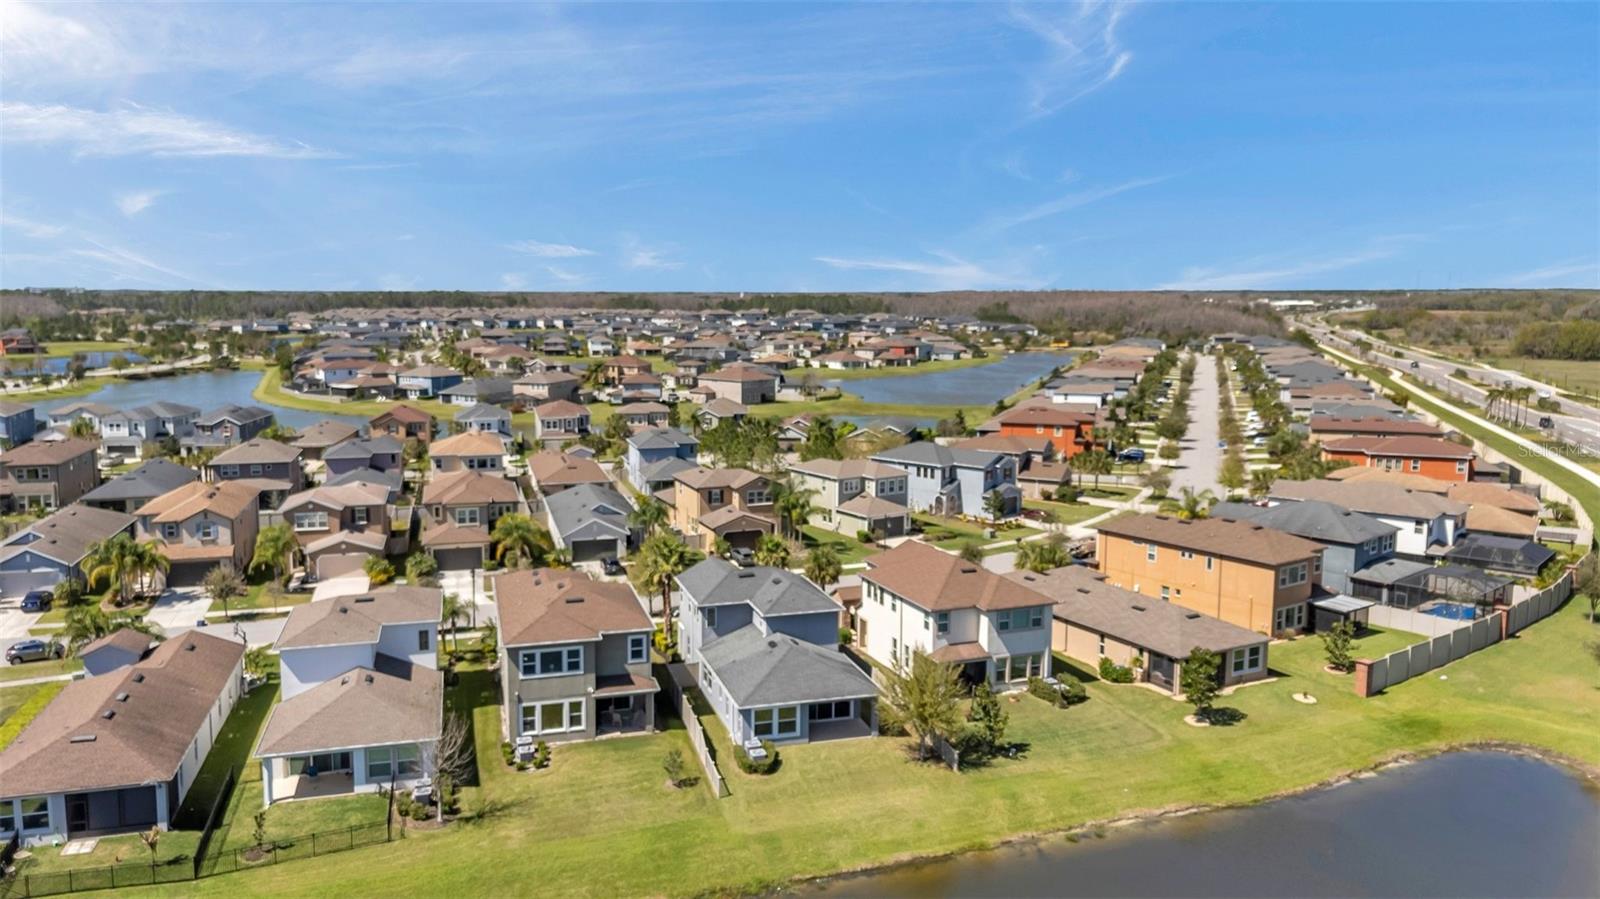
pixel 950 533
pixel 1569 375
pixel 855 803
pixel 63 348
pixel 1378 642
pixel 1066 513
pixel 925 368
pixel 257 598
pixel 20 705
pixel 39 669
pixel 846 546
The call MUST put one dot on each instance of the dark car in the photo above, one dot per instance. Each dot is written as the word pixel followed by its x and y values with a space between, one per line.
pixel 33 651
pixel 611 566
pixel 37 601
pixel 743 558
pixel 1546 421
pixel 1131 454
pixel 1415 364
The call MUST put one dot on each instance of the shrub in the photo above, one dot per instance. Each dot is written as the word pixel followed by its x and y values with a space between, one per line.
pixel 672 764
pixel 1074 692
pixel 1067 693
pixel 541 755
pixel 1112 672
pixel 508 752
pixel 757 766
pixel 864 536
pixel 1066 493
pixel 846 636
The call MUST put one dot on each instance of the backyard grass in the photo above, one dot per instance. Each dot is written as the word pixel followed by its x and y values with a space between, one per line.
pixel 64 348
pixel 1066 513
pixel 858 802
pixel 20 705
pixel 845 546
pixel 48 668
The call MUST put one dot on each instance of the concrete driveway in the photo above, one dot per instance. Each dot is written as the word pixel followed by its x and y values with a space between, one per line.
pixel 14 624
pixel 468 586
pixel 179 609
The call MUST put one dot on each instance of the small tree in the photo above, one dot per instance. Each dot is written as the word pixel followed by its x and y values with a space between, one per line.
pixel 672 764
pixel 822 565
pixel 1199 680
pixel 1336 643
pixel 223 583
pixel 971 551
pixel 152 837
pixel 421 569
pixel 926 699
pixel 258 833
pixel 988 717
pixel 378 570
pixel 257 662
pixel 994 503
pixel 449 759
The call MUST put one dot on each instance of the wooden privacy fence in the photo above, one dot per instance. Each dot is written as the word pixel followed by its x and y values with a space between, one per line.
pixel 1449 640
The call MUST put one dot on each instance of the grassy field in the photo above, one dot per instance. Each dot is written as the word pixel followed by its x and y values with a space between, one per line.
pixel 951 533
pixel 39 669
pixel 65 348
pixel 20 705
pixel 925 368
pixel 846 546
pixel 855 803
pixel 1569 375
pixel 1066 513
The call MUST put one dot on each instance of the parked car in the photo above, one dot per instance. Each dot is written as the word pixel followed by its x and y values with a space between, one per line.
pixel 611 566
pixel 1131 454
pixel 1546 421
pixel 37 601
pixel 742 557
pixel 1415 364
pixel 33 651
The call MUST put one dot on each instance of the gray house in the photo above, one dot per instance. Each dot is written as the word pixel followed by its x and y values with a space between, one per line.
pixel 575 656
pixel 590 520
pixel 648 449
pixel 488 419
pixel 949 481
pixel 128 491
pixel 766 645
pixel 381 453
pixel 51 550
pixel 478 390
pixel 1353 540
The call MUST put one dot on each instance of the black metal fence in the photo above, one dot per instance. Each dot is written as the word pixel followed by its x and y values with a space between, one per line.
pixel 219 805
pixel 310 845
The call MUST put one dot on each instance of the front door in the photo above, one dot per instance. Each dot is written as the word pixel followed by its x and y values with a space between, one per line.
pixel 77 813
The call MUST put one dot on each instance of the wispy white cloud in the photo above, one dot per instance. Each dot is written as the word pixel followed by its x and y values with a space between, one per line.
pixel 1280 271
pixel 1082 51
pixel 565 276
pixel 513 281
pixel 30 228
pixel 133 202
pixel 638 255
pixel 138 131
pixel 542 250
pixel 948 272
pixel 1577 272
pixel 129 265
pixel 1066 202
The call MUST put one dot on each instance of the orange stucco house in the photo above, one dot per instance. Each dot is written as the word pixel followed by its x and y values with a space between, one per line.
pixel 1070 432
pixel 1426 456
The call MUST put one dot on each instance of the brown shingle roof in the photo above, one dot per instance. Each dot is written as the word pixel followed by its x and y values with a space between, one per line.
pixel 938 581
pixel 555 469
pixel 126 639
pixel 48 452
pixel 1429 447
pixel 1245 542
pixel 739 373
pixel 1480 494
pixel 359 618
pixel 168 697
pixel 560 409
pixel 1085 599
pixel 548 605
pixel 393 702
pixel 468 488
pixel 1373 425
pixel 225 498
pixel 259 451
pixel 403 413
pixel 468 443
pixel 701 478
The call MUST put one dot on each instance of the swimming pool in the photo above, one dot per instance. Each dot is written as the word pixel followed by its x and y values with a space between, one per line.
pixel 1455 611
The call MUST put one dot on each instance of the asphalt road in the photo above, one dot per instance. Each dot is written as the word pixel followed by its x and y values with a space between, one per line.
pixel 1201 457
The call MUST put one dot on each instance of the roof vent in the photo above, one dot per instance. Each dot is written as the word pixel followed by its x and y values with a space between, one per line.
pixel 368 678
pixel 772 644
pixel 344 610
pixel 1084 590
pixel 138 678
pixel 82 738
pixel 108 714
pixel 777 580
pixel 747 574
pixel 344 680
pixel 968 570
pixel 574 599
pixel 366 599
pixel 122 697
pixel 1192 615
pixel 188 647
pixel 1138 608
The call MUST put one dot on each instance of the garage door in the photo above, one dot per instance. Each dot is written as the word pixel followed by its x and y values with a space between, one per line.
pixel 459 559
pixel 593 550
pixel 16 584
pixel 331 565
pixel 188 574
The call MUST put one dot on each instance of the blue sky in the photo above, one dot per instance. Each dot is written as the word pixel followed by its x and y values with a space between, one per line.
pixel 801 147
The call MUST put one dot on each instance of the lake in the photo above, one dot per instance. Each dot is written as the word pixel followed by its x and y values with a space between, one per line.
pixel 57 365
pixel 974 386
pixel 1462 824
pixel 206 390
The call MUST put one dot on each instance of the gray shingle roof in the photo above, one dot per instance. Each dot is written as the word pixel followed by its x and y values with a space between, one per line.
pixel 926 452
pixel 1313 519
pixel 149 480
pixel 776 669
pixel 588 512
pixel 770 591
pixel 661 438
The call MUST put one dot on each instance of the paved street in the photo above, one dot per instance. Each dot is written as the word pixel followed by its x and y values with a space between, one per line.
pixel 1201 457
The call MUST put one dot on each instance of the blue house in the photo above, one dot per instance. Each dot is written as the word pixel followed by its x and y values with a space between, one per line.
pixel 766 645
pixel 52 549
pixel 427 381
pixel 382 453
pixel 949 481
pixel 16 423
pixel 655 455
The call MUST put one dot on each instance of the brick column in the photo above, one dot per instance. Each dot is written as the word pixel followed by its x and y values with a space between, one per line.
pixel 1363 676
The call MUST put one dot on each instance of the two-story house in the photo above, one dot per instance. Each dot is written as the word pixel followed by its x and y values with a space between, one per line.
pixel 48 474
pixel 1069 432
pixel 1351 541
pixel 575 660
pixel 338 527
pixel 381 453
pixel 477 390
pixel 766 645
pixel 322 436
pixel 1427 456
pixel 1246 574
pixel 403 423
pixel 552 472
pixel 126 431
pixel 854 495
pixel 17 424
pixel 486 419
pixel 226 426
pixel 426 381
pixel 202 525
pixel 129 491
pixel 558 421
pixel 1428 524
pixel 614 369
pixel 459 512
pixel 949 481
pixel 273 467
pixel 645 415
pixel 732 504
pixel 467 451
pixel 544 386
pixel 655 456
pixel 743 383
pixel 39 555
pixel 362 699
pixel 918 598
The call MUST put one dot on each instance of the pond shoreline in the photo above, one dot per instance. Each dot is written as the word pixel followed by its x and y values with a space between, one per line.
pixel 1584 771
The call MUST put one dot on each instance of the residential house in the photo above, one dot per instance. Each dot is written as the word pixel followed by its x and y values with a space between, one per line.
pixel 202 525
pixel 1428 456
pixel 403 423
pixel 559 421
pixel 129 491
pixel 575 658
pixel 1324 428
pixel 118 752
pixel 765 643
pixel 1427 524
pixel 728 503
pixel 467 451
pixel 655 457
pixel 17 424
pixel 486 419
pixel 48 474
pixel 640 388
pixel 229 425
pixel 613 370
pixel 544 386
pixel 126 431
pixel 553 472
pixel 1246 574
pixel 117 649
pixel 18 342
pixel 1517 557
pixel 591 522
pixel 362 699
pixel 855 495
pixel 1039 472
pixel 742 383
pixel 1069 432
pixel 948 481
pixel 64 415
pixel 1094 620
pixel 918 598
pixel 41 554
pixel 477 390
pixel 427 381
pixel 645 415
pixel 323 436
pixel 718 410
pixel 339 527
pixel 274 468
pixel 460 509
pixel 381 453
pixel 1351 541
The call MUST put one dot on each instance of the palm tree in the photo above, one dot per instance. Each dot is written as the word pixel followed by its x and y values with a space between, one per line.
pixel 773 551
pixel 148 560
pixel 650 517
pixel 112 562
pixel 822 566
pixel 451 611
pixel 81 428
pixel 1189 505
pixel 1261 481
pixel 1042 555
pixel 794 508
pixel 275 546
pixel 518 538
pixel 87 623
pixel 661 559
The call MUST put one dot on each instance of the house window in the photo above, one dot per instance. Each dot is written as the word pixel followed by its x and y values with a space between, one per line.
pixel 638 649
pixel 714 496
pixel 423 640
pixel 1211 562
pixel 758 497
pixel 359 516
pixel 1291 575
pixel 829 711
pixel 1289 618
pixel 1416 527
pixel 255 471
pixel 943 620
pixel 1017 668
pixel 1461 467
pixel 1019 619
pixel 35 812
pixel 1416 464
pixel 1102 649
pixel 380 763
pixel 1246 660
pixel 310 521
pixel 1166 593
pixel 169 531
pixel 227 471
pixel 1185 554
pixel 559 716
pixel 783 721
pixel 552 662
pixel 1149 552
pixel 206 530
pixel 709 616
pixel 467 517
